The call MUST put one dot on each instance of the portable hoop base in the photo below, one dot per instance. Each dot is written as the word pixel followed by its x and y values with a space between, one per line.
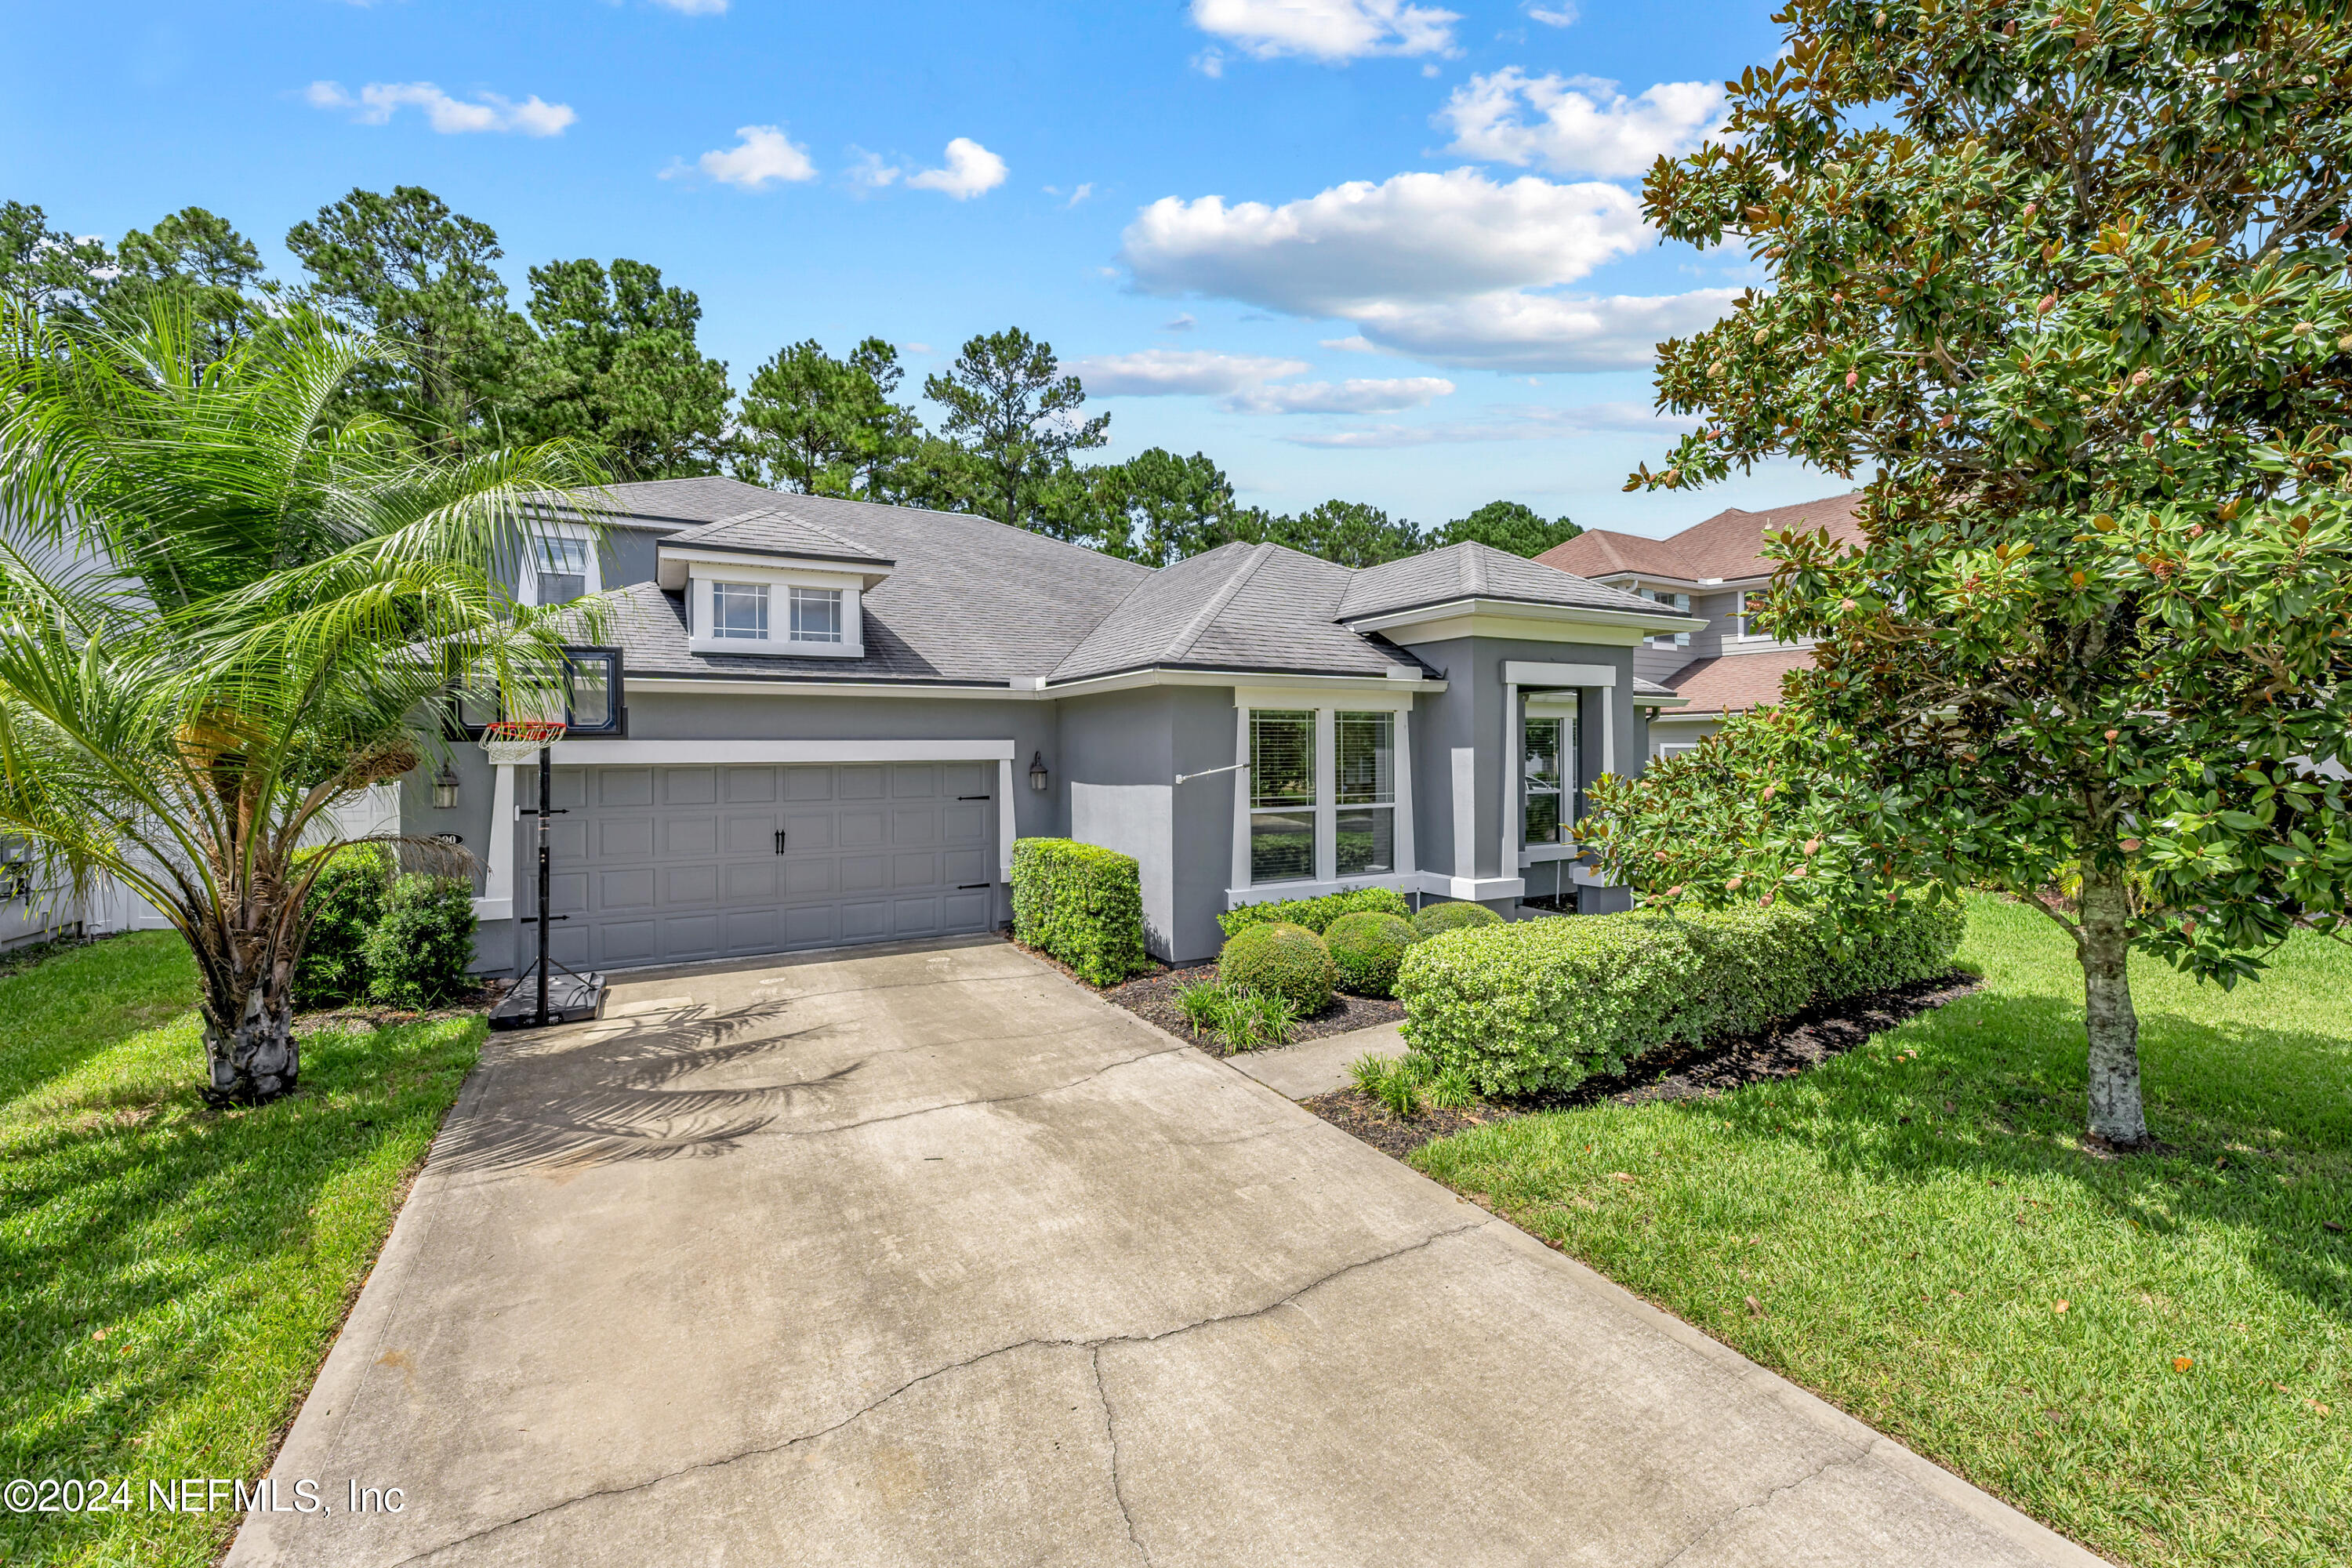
pixel 571 999
pixel 538 996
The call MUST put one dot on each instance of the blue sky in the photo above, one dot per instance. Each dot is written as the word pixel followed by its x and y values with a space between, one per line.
pixel 1367 248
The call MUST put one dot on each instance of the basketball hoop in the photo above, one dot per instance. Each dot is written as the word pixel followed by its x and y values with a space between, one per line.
pixel 515 741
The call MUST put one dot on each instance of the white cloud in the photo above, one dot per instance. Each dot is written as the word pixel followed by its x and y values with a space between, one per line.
pixel 1244 382
pixel 1210 63
pixel 1563 14
pixel 1517 330
pixel 971 169
pixel 1535 423
pixel 1164 373
pixel 763 156
pixel 1578 124
pixel 1355 344
pixel 1085 188
pixel 1182 322
pixel 1331 30
pixel 873 172
pixel 1415 236
pixel 378 100
pixel 1366 396
pixel 696 8
pixel 1454 268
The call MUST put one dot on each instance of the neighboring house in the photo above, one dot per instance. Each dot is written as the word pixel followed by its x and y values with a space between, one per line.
pixel 838 716
pixel 1710 570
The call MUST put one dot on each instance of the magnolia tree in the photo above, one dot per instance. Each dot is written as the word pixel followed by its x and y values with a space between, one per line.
pixel 2068 280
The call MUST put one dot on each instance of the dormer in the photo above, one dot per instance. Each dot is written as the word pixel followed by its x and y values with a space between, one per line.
pixel 770 583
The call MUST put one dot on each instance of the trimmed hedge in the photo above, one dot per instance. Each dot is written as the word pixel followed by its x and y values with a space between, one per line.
pixel 1082 904
pixel 1537 1006
pixel 1439 918
pixel 418 952
pixel 344 903
pixel 1366 948
pixel 1315 914
pixel 1287 961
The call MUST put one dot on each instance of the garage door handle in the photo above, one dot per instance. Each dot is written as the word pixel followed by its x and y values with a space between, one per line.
pixel 780 840
pixel 968 887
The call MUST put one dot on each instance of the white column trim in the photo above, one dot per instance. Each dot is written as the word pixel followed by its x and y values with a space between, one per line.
pixel 1507 858
pixel 1608 729
pixel 1466 814
pixel 1401 739
pixel 496 902
pixel 1528 672
pixel 1241 868
pixel 1326 796
pixel 1005 828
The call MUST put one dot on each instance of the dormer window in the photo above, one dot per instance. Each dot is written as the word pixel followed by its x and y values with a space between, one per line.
pixel 739 610
pixel 816 615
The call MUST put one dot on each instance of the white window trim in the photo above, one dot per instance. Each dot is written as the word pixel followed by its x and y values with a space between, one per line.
pixel 1563 706
pixel 1668 599
pixel 1326 706
pixel 1515 846
pixel 1739 619
pixel 527 580
pixel 779 581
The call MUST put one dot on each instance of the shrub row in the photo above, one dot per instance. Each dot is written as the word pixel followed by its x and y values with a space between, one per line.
pixel 1315 914
pixel 1537 1006
pixel 1080 903
pixel 376 936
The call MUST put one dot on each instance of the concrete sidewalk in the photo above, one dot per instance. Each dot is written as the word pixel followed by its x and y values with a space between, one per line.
pixel 1317 1067
pixel 925 1256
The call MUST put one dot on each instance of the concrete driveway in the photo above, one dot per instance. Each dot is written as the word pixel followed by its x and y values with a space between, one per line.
pixel 925 1255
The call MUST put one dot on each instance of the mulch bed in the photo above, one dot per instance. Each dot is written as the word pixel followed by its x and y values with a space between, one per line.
pixel 368 1016
pixel 1684 1072
pixel 1153 997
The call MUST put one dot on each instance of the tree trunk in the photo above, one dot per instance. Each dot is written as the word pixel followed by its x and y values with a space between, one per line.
pixel 254 1059
pixel 2104 942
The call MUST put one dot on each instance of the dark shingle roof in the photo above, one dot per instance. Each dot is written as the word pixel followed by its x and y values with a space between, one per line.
pixel 665 504
pixel 1474 572
pixel 777 530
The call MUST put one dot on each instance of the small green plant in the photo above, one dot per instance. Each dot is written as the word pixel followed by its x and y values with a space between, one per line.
pixel 1204 1004
pixel 1255 1020
pixel 418 954
pixel 1439 918
pixel 1366 949
pixel 1400 1091
pixel 1289 960
pixel 1453 1090
pixel 1366 1071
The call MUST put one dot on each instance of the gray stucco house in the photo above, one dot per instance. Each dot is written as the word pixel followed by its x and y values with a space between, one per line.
pixel 837 717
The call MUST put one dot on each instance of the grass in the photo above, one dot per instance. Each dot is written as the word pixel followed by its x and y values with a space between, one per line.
pixel 1908 1219
pixel 171 1276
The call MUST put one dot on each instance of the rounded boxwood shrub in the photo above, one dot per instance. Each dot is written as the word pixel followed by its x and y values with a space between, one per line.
pixel 1439 918
pixel 1366 949
pixel 419 951
pixel 1287 961
pixel 344 903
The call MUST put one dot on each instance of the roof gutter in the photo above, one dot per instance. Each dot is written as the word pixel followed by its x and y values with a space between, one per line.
pixel 1526 609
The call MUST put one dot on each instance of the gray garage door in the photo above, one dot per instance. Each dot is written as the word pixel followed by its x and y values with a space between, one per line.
pixel 671 865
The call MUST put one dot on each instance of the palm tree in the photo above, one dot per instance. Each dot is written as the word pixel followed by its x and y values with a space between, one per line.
pixel 223 611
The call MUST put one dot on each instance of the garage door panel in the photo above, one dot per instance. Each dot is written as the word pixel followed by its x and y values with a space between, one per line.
pixel 625 838
pixel 811 879
pixel 673 864
pixel 689 787
pixel 807 830
pixel 567 840
pixel 567 891
pixel 690 885
pixel 744 785
pixel 752 880
pixel 572 946
pixel 625 787
pixel 625 888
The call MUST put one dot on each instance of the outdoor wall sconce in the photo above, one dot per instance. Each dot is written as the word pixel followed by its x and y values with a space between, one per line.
pixel 444 788
pixel 1037 771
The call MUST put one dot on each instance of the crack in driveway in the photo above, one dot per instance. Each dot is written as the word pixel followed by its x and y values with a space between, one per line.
pixel 1092 1347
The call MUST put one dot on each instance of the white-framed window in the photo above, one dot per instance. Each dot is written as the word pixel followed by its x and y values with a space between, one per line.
pixel 1675 748
pixel 1543 804
pixel 558 565
pixel 739 611
pixel 1680 604
pixel 1324 796
pixel 1364 826
pixel 816 615
pixel 1282 796
pixel 1741 627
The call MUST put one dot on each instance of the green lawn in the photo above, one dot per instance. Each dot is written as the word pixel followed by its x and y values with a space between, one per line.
pixel 171 1276
pixel 1910 1270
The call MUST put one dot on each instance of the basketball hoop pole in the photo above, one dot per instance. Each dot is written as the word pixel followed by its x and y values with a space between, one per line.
pixel 546 800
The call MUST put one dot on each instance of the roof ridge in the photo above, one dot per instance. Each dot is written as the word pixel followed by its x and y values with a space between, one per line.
pixel 1474 576
pixel 1182 644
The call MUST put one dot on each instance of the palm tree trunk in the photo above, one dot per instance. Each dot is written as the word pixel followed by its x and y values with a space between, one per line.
pixel 2104 943
pixel 249 1045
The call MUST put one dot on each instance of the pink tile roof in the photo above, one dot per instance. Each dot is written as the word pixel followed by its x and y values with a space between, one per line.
pixel 1726 547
